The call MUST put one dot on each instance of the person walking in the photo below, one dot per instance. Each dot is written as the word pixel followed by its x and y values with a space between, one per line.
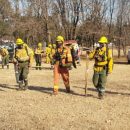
pixel 103 65
pixel 38 56
pixel 23 59
pixel 62 61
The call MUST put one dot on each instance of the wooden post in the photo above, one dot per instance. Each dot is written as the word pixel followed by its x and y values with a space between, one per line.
pixel 86 73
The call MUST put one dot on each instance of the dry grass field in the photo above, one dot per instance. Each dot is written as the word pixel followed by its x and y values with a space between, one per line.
pixel 38 109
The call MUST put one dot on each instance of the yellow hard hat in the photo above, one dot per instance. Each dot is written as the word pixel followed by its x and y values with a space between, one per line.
pixel 19 41
pixel 103 40
pixel 49 45
pixel 60 39
pixel 54 45
pixel 39 44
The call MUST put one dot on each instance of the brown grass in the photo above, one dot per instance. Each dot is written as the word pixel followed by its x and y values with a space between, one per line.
pixel 36 108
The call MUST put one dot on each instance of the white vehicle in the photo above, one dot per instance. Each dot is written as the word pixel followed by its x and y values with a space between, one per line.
pixel 128 56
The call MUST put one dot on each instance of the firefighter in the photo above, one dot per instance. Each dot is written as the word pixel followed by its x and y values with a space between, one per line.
pixel 51 55
pixel 48 53
pixel 23 59
pixel 38 56
pixel 62 61
pixel 5 57
pixel 103 65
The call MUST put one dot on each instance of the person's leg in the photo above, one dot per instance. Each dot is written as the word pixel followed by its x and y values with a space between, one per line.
pixel 40 62
pixel 56 79
pixel 20 73
pixel 40 65
pixel 47 59
pixel 25 75
pixel 7 61
pixel 36 59
pixel 16 73
pixel 65 77
pixel 102 83
pixel 3 62
pixel 96 79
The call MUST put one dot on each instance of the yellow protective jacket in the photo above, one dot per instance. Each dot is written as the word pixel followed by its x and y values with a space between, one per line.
pixel 48 50
pixel 103 57
pixel 65 54
pixel 4 52
pixel 38 51
pixel 24 54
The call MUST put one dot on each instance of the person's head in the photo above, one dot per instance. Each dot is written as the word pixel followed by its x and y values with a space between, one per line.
pixel 19 43
pixel 50 45
pixel 59 41
pixel 54 46
pixel 103 41
pixel 39 45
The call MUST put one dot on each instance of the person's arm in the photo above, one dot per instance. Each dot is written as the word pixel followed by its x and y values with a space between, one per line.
pixel 91 54
pixel 14 57
pixel 69 59
pixel 69 56
pixel 31 57
pixel 30 54
pixel 110 61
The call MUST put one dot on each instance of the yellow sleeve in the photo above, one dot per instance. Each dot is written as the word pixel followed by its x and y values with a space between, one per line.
pixel 91 55
pixel 30 54
pixel 36 51
pixel 53 53
pixel 6 51
pixel 110 61
pixel 47 50
pixel 69 55
pixel 31 59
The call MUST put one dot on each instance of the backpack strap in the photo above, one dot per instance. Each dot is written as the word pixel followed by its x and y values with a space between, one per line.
pixel 26 50
pixel 107 49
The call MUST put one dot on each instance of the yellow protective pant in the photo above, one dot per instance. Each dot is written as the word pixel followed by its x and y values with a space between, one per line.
pixel 65 76
pixel 48 60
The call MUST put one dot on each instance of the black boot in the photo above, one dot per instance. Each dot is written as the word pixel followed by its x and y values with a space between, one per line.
pixel 26 84
pixel 68 89
pixel 100 95
pixel 36 67
pixel 40 68
pixel 7 66
pixel 2 66
pixel 20 86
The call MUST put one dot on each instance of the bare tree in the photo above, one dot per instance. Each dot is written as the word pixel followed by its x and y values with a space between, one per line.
pixel 111 11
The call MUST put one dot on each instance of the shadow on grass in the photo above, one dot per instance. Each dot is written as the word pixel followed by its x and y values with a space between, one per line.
pixel 78 87
pixel 42 68
pixel 47 90
pixel 2 90
pixel 111 92
pixel 7 86
pixel 50 91
pixel 121 63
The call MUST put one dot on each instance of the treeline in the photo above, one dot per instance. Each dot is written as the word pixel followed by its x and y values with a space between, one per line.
pixel 83 20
